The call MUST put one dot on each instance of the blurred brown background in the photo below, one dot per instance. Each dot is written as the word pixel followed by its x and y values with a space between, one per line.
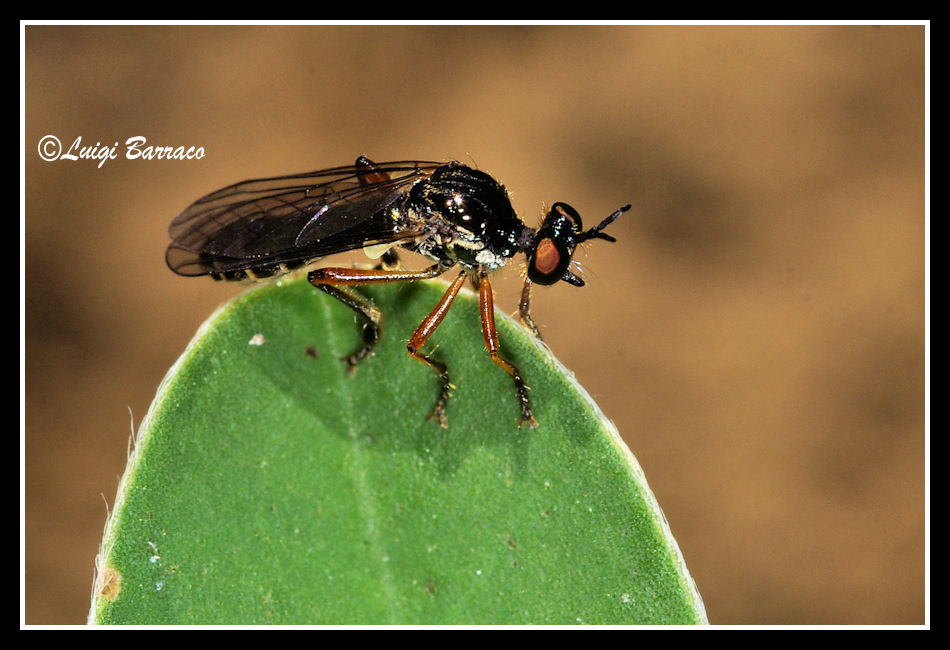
pixel 757 333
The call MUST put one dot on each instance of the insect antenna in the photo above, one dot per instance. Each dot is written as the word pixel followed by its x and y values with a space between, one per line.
pixel 595 232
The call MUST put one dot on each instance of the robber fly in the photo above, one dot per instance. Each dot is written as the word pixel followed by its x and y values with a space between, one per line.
pixel 450 213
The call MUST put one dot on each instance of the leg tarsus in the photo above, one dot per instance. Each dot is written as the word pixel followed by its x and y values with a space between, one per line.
pixel 365 308
pixel 438 413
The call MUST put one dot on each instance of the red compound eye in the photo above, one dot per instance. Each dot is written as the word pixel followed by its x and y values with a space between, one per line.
pixel 547 257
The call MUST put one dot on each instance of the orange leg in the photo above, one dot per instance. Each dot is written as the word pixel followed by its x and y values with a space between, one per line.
pixel 422 334
pixel 490 334
pixel 337 282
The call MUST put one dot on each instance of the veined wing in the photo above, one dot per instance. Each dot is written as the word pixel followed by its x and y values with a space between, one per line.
pixel 292 218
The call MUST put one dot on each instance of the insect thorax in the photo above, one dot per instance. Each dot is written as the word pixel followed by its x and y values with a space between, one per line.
pixel 468 219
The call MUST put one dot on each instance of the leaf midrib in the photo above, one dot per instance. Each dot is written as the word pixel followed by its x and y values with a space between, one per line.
pixel 360 477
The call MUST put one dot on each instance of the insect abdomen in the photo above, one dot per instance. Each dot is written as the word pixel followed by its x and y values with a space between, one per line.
pixel 255 273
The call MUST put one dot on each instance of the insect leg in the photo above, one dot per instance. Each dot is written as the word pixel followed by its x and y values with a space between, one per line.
pixel 337 282
pixel 524 309
pixel 422 334
pixel 363 306
pixel 486 303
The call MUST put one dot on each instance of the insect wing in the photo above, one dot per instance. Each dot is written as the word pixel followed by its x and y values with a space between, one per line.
pixel 290 218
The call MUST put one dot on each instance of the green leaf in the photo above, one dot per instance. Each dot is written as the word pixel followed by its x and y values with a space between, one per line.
pixel 269 486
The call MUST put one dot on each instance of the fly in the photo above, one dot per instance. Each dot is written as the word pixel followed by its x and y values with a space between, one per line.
pixel 456 216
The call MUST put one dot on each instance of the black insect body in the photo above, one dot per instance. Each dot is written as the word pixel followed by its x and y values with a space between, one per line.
pixel 450 213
